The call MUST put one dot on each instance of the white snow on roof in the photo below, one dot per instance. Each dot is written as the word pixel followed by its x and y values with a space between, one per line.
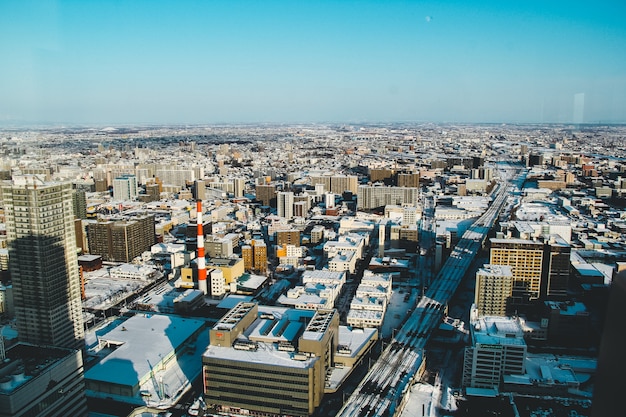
pixel 144 341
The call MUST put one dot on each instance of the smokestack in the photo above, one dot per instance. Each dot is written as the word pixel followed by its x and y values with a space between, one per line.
pixel 201 260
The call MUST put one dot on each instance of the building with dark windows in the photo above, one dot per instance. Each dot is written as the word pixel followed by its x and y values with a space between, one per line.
pixel 121 239
pixel 42 381
pixel 43 261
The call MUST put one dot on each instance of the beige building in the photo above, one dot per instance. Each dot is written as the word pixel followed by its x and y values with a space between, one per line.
pixel 494 284
pixel 267 364
pixel 43 261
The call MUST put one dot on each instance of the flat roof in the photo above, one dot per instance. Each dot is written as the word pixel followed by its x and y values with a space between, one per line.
pixel 144 340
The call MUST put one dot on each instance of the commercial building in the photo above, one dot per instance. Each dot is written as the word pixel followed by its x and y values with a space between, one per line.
pixel 121 239
pixel 43 262
pixel 148 359
pixel 269 363
pixel 41 381
pixel 498 348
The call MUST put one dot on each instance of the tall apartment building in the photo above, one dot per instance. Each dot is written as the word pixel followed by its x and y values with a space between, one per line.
pixel 239 186
pixel 336 183
pixel 43 261
pixel 525 257
pixel 125 187
pixel 266 194
pixel 284 204
pixel 79 201
pixel 199 188
pixel 263 364
pixel 498 348
pixel 370 197
pixel 556 267
pixel 408 179
pixel 255 256
pixel 494 284
pixel 341 183
pixel 121 239
pixel 540 268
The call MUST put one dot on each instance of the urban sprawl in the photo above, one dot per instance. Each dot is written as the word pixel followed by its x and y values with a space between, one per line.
pixel 311 270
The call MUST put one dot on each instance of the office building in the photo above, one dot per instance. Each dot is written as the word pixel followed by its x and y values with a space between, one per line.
pixel 125 187
pixel 267 364
pixel 121 239
pixel 41 381
pixel 498 348
pixel 43 261
pixel 556 268
pixel 494 284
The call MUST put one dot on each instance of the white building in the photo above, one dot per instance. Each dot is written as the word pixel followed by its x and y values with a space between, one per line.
pixel 284 204
pixel 125 188
pixel 130 271
pixel 343 261
pixel 498 349
pixel 217 282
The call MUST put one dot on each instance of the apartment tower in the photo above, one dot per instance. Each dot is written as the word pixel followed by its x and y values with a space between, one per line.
pixel 43 261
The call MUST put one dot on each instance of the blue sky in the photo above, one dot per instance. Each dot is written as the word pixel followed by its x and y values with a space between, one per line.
pixel 120 62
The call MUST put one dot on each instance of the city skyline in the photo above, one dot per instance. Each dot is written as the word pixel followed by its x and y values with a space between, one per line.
pixel 280 62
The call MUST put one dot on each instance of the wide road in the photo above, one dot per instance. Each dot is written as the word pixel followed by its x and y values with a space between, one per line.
pixel 382 391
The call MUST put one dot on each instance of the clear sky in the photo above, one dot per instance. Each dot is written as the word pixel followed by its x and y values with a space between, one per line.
pixel 213 61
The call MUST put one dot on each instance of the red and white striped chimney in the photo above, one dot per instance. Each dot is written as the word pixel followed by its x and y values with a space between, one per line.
pixel 201 260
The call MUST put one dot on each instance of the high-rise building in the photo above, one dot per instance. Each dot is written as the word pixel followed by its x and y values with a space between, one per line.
pixel 43 261
pixel 266 194
pixel 494 284
pixel 125 187
pixel 341 183
pixel 284 204
pixel 199 187
pixel 255 256
pixel 556 267
pixel 239 185
pixel 525 257
pixel 79 200
pixel 611 360
pixel 121 239
pixel 540 267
